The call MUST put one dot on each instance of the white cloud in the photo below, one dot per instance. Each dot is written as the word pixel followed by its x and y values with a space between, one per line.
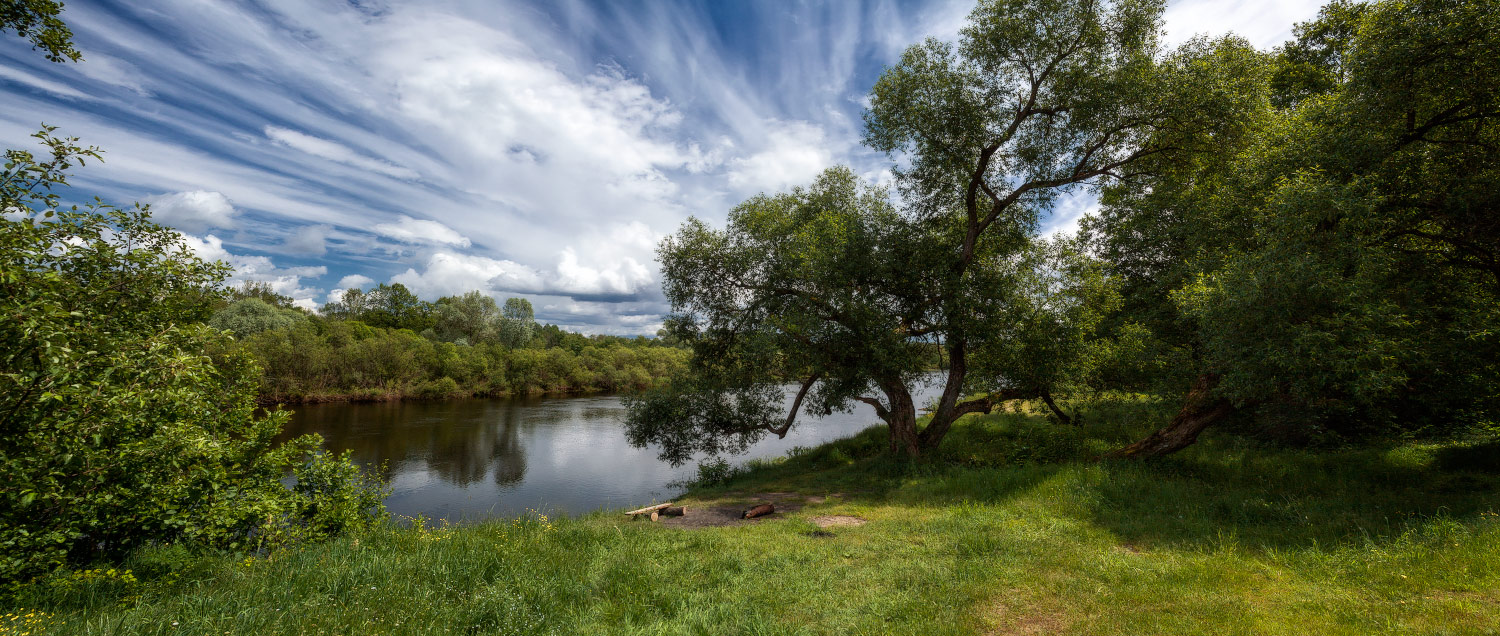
pixel 793 154
pixel 449 273
pixel 1265 23
pixel 354 280
pixel 208 248
pixel 311 240
pixel 557 140
pixel 194 212
pixel 1068 211
pixel 113 71
pixel 334 151
pixel 410 230
pixel 56 88
pixel 612 264
pixel 286 281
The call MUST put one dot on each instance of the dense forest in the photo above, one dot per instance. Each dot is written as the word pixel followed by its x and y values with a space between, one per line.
pixel 388 344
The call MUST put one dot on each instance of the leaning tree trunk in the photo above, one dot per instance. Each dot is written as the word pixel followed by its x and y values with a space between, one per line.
pixel 1061 416
pixel 1199 411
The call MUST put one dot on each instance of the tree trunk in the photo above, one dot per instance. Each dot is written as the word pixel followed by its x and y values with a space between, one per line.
pixel 902 419
pixel 946 412
pixel 1199 411
pixel 1047 397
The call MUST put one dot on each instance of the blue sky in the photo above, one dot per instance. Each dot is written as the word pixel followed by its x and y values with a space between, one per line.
pixel 524 149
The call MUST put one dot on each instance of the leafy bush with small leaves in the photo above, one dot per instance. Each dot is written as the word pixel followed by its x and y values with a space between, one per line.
pixel 123 419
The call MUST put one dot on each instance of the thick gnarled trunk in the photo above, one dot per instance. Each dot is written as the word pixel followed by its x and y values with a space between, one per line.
pixel 1200 410
pixel 900 417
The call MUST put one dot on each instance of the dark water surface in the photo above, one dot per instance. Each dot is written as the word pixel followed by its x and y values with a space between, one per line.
pixel 477 458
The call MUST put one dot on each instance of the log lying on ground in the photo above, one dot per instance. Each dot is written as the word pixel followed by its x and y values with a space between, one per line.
pixel 675 511
pixel 759 511
pixel 648 509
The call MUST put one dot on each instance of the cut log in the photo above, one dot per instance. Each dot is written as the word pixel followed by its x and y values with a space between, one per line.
pixel 759 511
pixel 653 515
pixel 676 511
pixel 641 511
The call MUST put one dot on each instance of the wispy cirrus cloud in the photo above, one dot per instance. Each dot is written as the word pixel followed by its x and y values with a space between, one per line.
pixel 537 149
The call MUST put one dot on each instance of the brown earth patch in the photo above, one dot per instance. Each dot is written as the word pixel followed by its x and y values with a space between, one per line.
pixel 834 521
pixel 729 511
pixel 1026 620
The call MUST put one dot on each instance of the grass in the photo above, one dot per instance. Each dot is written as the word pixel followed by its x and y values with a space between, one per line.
pixel 1014 529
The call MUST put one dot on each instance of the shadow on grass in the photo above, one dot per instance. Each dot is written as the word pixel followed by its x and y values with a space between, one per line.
pixel 1286 499
pixel 1264 497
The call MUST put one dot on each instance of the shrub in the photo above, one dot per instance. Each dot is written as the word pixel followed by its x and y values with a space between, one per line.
pixel 117 428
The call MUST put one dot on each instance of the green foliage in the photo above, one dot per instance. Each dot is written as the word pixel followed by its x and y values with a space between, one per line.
pixel 1333 259
pixel 325 358
pixel 38 21
pixel 335 496
pixel 519 323
pixel 392 306
pixel 261 291
pixel 122 420
pixel 251 316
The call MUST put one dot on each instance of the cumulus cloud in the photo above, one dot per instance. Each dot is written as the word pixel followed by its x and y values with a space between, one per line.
pixel 334 151
pixel 354 280
pixel 1068 211
pixel 410 230
pixel 450 273
pixel 793 154
pixel 609 266
pixel 193 212
pixel 286 281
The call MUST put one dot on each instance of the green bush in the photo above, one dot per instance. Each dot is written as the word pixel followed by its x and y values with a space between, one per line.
pixel 443 387
pixel 123 419
pixel 252 315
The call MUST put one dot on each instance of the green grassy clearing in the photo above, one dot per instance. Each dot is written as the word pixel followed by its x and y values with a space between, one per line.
pixel 1013 530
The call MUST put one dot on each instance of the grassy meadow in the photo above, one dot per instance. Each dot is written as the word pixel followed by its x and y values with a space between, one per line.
pixel 1014 529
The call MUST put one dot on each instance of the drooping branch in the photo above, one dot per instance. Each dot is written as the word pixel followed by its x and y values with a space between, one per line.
pixel 791 415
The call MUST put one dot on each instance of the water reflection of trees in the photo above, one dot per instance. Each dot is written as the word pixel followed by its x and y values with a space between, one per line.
pixel 459 441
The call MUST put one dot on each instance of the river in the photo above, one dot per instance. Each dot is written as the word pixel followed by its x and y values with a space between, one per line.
pixel 471 459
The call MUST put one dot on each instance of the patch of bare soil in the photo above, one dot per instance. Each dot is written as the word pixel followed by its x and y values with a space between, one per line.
pixel 1027 621
pixel 835 521
pixel 729 510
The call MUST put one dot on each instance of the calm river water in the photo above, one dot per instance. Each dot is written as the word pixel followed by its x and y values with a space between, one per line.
pixel 477 458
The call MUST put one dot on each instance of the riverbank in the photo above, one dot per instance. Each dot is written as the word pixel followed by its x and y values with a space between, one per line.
pixel 441 392
pixel 1011 530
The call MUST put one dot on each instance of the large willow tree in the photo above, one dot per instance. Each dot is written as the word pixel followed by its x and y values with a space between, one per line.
pixel 836 290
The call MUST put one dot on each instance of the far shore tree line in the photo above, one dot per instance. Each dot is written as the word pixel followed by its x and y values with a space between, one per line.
pixel 1303 242
pixel 386 343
